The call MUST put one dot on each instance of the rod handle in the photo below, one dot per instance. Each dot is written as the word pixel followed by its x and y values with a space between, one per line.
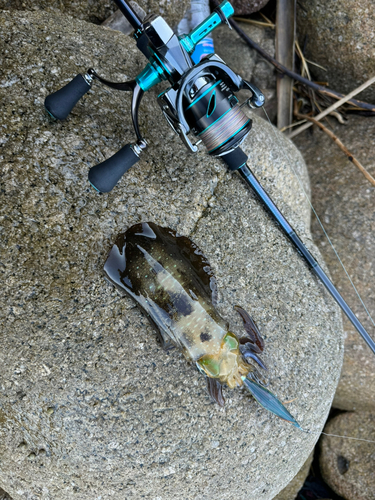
pixel 220 15
pixel 60 103
pixel 104 176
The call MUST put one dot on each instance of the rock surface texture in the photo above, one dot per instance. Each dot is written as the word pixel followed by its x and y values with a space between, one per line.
pixel 244 7
pixel 340 37
pixel 90 405
pixel 345 201
pixel 347 465
pixel 291 490
pixel 248 63
pixel 117 21
pixel 99 10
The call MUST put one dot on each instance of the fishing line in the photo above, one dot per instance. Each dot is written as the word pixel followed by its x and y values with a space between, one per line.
pixel 342 265
pixel 348 437
pixel 319 221
pixel 337 436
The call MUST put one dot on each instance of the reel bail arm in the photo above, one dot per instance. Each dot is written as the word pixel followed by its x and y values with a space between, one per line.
pixel 257 99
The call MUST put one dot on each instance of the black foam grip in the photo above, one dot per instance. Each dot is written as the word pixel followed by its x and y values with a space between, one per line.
pixel 60 103
pixel 106 175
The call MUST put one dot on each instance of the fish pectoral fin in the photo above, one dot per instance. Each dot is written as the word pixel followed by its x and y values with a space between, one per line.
pixel 215 390
pixel 269 401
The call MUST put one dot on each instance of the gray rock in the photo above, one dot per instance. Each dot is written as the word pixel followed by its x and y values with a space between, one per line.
pixel 117 21
pixel 90 404
pixel 244 7
pixel 248 63
pixel 347 466
pixel 291 490
pixel 87 10
pixel 344 199
pixel 99 10
pixel 340 37
pixel 172 10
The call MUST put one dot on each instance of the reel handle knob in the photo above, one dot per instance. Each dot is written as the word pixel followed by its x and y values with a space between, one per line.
pixel 60 103
pixel 104 176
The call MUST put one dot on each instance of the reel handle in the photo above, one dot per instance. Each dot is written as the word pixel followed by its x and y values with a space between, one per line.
pixel 104 176
pixel 60 103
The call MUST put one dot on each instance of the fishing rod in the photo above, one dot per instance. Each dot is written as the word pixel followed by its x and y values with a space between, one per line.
pixel 200 102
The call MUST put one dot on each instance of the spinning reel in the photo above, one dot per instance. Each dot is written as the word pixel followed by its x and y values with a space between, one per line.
pixel 201 100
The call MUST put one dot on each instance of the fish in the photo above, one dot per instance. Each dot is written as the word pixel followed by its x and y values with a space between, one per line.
pixel 172 282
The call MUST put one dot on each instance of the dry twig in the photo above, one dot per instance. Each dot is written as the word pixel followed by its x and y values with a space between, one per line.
pixel 266 19
pixel 255 22
pixel 305 67
pixel 299 78
pixel 334 106
pixel 285 39
pixel 340 144
pixel 292 125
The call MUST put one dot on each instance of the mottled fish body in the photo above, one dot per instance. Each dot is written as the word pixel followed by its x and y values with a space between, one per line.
pixel 171 280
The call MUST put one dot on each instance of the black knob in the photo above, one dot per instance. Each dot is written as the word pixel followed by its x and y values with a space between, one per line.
pixel 60 103
pixel 104 176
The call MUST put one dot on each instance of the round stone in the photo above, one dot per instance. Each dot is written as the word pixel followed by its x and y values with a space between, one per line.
pixel 339 35
pixel 90 404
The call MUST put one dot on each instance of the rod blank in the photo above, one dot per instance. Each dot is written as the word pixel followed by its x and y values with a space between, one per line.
pixel 129 13
pixel 270 206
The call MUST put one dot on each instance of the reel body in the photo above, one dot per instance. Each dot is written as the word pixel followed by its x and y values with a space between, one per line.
pixel 205 104
pixel 200 100
pixel 217 118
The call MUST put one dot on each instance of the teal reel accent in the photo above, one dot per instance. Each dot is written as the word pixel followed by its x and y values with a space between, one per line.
pixel 190 41
pixel 157 69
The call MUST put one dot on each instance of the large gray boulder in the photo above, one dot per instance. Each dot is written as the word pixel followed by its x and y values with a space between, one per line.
pixel 96 11
pixel 87 10
pixel 339 35
pixel 345 201
pixel 90 405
